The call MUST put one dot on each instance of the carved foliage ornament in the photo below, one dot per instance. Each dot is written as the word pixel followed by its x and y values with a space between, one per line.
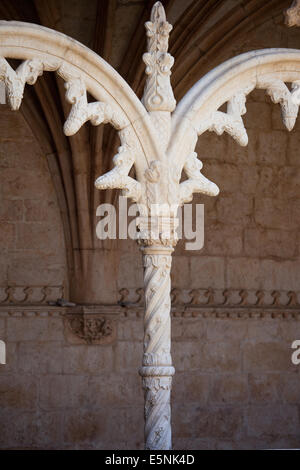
pixel 158 93
pixel 160 181
pixel 89 329
pixel 292 14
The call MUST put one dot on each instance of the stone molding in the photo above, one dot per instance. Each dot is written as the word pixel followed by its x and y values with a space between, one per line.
pixel 30 294
pixel 134 311
pixel 219 298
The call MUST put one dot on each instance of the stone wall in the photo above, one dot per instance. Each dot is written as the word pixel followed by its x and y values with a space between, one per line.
pixel 235 386
pixel 31 237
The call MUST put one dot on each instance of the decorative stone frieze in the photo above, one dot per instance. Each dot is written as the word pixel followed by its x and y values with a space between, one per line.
pixel 30 294
pixel 187 312
pixel 232 298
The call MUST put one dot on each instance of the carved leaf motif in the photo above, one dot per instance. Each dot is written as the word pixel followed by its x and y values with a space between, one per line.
pixel 118 176
pixel 15 80
pixel 230 122
pixel 158 94
pixel 279 93
pixel 196 182
pixel 82 111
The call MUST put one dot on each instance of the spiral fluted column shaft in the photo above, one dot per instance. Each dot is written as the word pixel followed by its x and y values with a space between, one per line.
pixel 157 369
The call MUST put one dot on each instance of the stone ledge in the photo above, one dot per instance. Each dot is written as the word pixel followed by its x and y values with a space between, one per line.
pixel 115 312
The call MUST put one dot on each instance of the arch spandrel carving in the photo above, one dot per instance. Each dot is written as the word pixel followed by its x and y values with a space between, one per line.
pixel 230 83
pixel 75 62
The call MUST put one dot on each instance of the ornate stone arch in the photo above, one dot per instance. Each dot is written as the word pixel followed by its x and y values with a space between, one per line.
pixel 83 71
pixel 230 83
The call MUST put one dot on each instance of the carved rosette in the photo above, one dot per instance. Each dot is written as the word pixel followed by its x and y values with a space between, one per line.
pixel 157 369
pixel 89 329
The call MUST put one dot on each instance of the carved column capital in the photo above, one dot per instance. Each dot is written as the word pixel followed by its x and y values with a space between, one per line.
pixel 158 233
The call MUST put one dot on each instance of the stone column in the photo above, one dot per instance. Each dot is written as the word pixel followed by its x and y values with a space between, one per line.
pixel 157 369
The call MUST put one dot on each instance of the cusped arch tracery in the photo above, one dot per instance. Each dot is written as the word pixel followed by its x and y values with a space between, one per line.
pixel 43 49
pixel 230 83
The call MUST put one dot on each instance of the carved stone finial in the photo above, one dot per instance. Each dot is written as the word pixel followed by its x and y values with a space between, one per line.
pixel 158 93
pixel 292 14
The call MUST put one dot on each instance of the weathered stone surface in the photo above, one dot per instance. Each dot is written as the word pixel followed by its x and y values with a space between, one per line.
pixel 258 116
pixel 232 210
pixel 264 388
pixel 32 268
pixel 268 356
pixel 272 421
pixel 193 444
pixel 192 330
pixel 220 356
pixel 180 272
pixel 231 330
pixel 272 147
pixel 290 388
pixel 2 328
pixel 273 213
pixel 226 175
pixel 128 355
pixel 208 271
pixel 18 392
pixel 31 430
pixel 293 149
pixel 16 185
pixel 84 428
pixel 34 329
pixel 130 330
pixel 230 389
pixel 40 358
pixel 262 274
pixel 41 211
pixel 215 422
pixel 191 388
pixel 8 235
pixel 11 210
pixel 40 236
pixel 267 242
pixel 87 359
pixel 222 239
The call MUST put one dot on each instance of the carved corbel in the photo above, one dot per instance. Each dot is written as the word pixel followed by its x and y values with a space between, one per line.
pixel 118 178
pixel 279 93
pixel 27 72
pixel 196 182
